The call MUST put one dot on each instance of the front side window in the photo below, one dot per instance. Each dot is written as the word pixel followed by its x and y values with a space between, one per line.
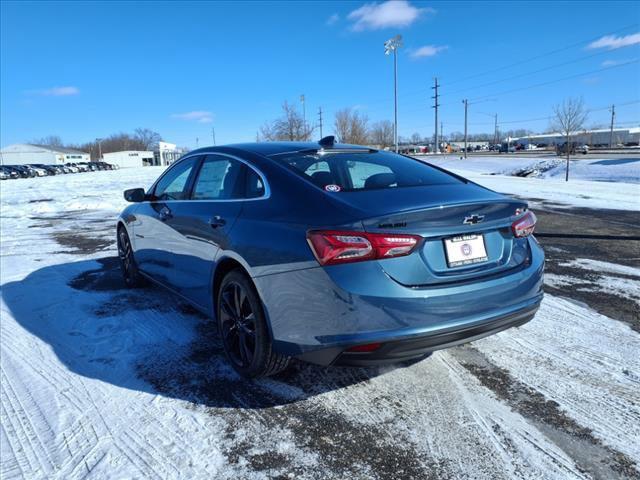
pixel 219 179
pixel 357 171
pixel 174 184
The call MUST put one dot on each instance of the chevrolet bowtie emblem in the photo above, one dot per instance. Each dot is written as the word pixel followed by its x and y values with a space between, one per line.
pixel 473 219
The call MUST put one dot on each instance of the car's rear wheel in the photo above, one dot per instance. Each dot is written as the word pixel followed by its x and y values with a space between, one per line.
pixel 128 266
pixel 243 328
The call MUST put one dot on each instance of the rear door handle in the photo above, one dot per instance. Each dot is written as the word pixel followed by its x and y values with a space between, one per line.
pixel 217 221
pixel 165 214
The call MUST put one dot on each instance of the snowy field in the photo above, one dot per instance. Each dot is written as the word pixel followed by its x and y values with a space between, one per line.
pixel 594 183
pixel 101 382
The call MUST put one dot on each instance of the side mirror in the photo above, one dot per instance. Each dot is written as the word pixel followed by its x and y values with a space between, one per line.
pixel 135 195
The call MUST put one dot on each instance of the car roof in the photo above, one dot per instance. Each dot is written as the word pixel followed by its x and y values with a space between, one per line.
pixel 268 149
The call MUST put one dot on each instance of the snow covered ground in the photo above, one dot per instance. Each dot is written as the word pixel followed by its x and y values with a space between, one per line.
pixel 594 183
pixel 101 382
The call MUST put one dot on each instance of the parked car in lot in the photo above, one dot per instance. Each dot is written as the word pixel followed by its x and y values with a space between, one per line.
pixel 333 254
pixel 8 173
pixel 43 170
pixel 573 147
pixel 22 172
pixel 38 170
pixel 89 166
pixel 77 167
pixel 506 148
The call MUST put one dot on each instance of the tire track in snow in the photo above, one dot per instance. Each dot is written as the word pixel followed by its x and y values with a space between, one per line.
pixel 21 420
pixel 548 354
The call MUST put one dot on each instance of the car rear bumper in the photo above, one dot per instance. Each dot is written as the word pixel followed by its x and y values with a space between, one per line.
pixel 316 314
pixel 419 346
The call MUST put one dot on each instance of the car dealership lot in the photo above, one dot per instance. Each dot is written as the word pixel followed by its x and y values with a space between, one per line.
pixel 102 381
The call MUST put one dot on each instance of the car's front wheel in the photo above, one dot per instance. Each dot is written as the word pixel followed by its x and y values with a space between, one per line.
pixel 243 328
pixel 128 266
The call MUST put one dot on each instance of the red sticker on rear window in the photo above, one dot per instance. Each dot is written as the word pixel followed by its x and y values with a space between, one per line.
pixel 332 188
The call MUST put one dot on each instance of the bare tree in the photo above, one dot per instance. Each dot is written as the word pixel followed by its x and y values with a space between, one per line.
pixel 290 126
pixel 351 126
pixel 569 117
pixel 50 141
pixel 416 138
pixel 147 139
pixel 381 133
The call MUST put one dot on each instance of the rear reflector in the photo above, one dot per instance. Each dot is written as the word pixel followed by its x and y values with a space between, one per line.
pixel 369 347
pixel 332 247
pixel 525 225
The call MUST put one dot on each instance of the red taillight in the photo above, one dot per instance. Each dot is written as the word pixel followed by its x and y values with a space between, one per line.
pixel 332 247
pixel 367 347
pixel 525 225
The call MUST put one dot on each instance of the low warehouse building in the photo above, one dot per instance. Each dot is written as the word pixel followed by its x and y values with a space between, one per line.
pixel 129 158
pixel 26 153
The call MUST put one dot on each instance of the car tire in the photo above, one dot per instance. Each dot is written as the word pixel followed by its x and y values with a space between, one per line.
pixel 243 328
pixel 128 266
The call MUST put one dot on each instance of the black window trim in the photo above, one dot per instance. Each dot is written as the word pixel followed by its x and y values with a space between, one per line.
pixel 196 171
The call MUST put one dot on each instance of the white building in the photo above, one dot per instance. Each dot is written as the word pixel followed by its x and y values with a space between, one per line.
pixel 25 153
pixel 598 137
pixel 167 153
pixel 129 158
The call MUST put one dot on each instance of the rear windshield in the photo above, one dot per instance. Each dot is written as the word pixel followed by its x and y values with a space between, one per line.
pixel 364 171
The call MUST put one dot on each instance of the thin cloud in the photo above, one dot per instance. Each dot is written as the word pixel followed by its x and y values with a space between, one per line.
pixel 333 19
pixel 612 42
pixel 392 13
pixel 199 116
pixel 613 63
pixel 56 92
pixel 428 51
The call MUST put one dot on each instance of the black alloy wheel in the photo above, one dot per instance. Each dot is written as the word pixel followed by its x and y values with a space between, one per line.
pixel 243 328
pixel 130 273
pixel 238 324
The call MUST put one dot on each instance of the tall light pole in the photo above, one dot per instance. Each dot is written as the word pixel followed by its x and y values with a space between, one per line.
pixel 99 140
pixel 392 45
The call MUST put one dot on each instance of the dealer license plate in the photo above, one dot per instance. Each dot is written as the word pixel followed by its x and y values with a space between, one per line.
pixel 465 250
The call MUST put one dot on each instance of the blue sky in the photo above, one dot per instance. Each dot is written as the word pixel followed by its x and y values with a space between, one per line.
pixel 83 70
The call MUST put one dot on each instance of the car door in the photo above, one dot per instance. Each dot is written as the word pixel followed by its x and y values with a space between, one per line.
pixel 156 240
pixel 203 224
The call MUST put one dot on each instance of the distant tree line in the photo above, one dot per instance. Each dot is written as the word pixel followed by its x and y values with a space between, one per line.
pixel 352 126
pixel 141 139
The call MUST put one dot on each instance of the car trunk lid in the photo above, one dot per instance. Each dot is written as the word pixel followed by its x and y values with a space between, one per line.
pixel 466 230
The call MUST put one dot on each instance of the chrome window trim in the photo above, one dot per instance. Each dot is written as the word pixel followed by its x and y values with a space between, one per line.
pixel 265 196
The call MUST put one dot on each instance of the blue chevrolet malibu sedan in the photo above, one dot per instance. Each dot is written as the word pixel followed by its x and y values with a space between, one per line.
pixel 333 254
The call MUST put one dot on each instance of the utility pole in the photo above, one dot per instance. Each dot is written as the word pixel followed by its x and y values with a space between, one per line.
pixel 320 119
pixel 304 117
pixel 213 134
pixel 197 140
pixel 435 106
pixel 466 105
pixel 441 131
pixel 495 132
pixel 613 116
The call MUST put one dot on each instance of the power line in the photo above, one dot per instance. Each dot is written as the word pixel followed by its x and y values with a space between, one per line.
pixel 551 67
pixel 558 79
pixel 535 57
pixel 527 60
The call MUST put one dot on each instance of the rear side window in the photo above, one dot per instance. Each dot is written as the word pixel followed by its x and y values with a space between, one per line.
pixel 365 171
pixel 254 186
pixel 219 179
